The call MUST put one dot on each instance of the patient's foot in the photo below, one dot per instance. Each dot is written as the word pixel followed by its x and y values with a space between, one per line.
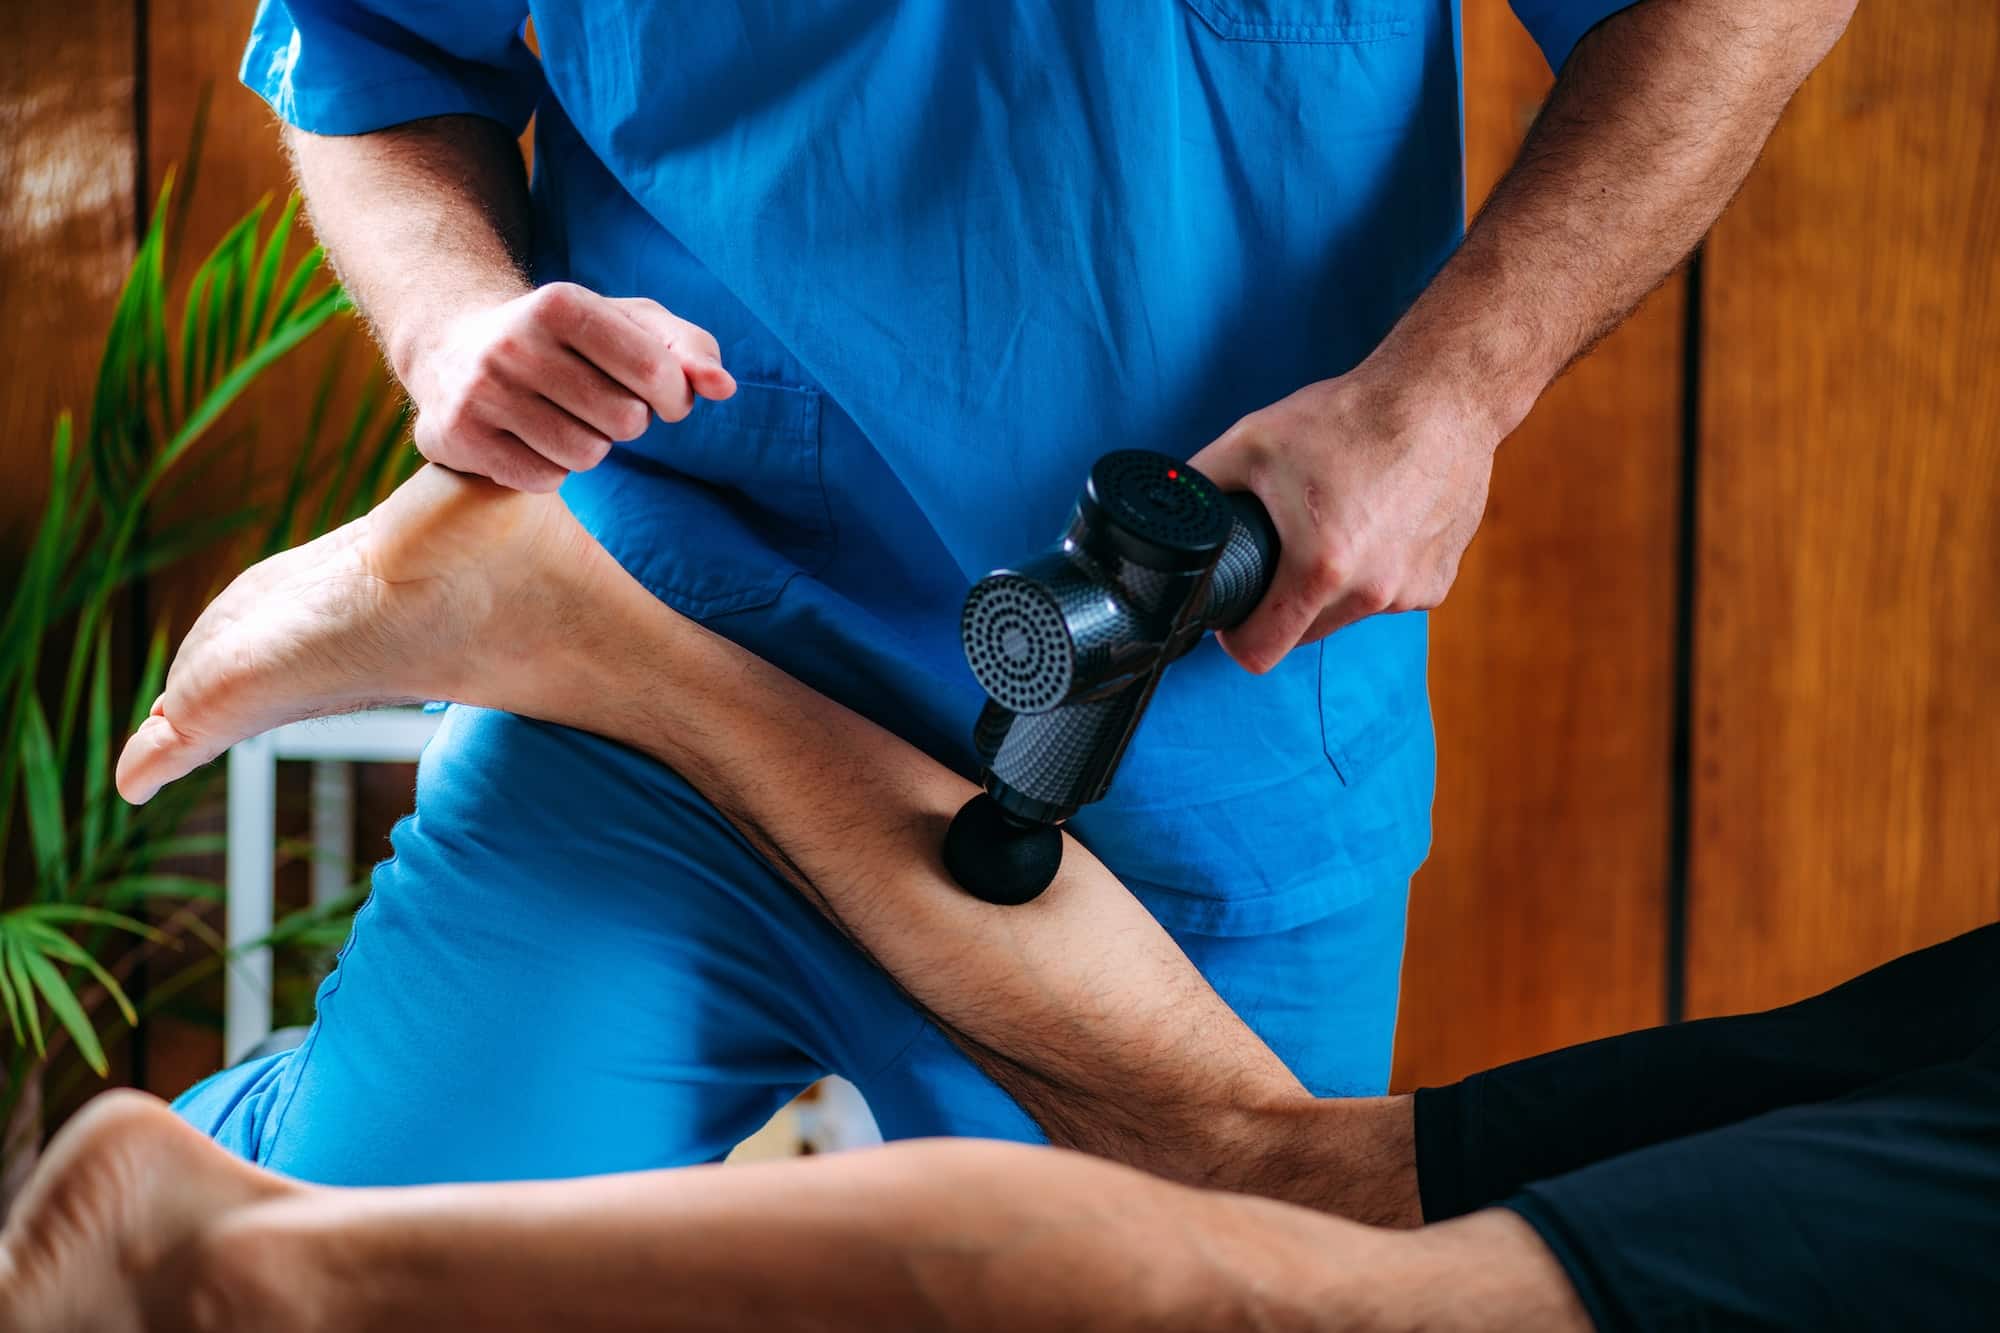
pixel 104 1238
pixel 452 588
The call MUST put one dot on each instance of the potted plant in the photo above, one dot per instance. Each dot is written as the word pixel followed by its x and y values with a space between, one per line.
pixel 87 892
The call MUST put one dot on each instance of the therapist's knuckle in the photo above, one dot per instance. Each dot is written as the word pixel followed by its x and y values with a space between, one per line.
pixel 453 417
pixel 1326 566
pixel 1431 593
pixel 1321 580
pixel 558 300
pixel 1373 596
pixel 650 367
pixel 645 310
pixel 629 421
pixel 510 347
pixel 1246 438
pixel 427 437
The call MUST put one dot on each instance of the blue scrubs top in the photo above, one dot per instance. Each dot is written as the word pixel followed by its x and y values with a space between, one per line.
pixel 954 250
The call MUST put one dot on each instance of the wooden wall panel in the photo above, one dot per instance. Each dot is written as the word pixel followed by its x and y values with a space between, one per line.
pixel 66 226
pixel 1540 918
pixel 1847 752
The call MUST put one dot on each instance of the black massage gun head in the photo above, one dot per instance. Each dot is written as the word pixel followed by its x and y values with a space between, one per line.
pixel 998 857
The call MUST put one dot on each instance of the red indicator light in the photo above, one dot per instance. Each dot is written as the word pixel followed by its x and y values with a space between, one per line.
pixel 1173 474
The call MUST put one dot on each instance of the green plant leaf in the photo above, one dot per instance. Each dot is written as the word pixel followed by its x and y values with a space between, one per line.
pixel 62 1002
pixel 192 319
pixel 13 956
pixel 151 261
pixel 267 266
pixel 57 945
pixel 10 997
pixel 22 631
pixel 186 844
pixel 228 268
pixel 217 400
pixel 214 320
pixel 388 464
pixel 97 746
pixel 279 534
pixel 42 793
pixel 184 539
pixel 129 889
pixel 151 676
pixel 41 572
pixel 190 172
pixel 344 456
pixel 117 404
pixel 85 914
pixel 201 476
pixel 295 286
pixel 242 258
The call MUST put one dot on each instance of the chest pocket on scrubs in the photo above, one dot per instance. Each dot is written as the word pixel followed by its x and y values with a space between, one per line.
pixel 1328 21
pixel 717 513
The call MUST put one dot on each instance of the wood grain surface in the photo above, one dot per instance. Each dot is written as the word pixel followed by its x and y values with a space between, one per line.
pixel 66 226
pixel 1846 802
pixel 1540 918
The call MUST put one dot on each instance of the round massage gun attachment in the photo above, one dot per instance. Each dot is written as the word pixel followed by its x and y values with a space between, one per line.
pixel 998 857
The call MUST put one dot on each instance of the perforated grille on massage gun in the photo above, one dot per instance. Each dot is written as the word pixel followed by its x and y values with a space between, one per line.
pixel 1070 647
pixel 1019 639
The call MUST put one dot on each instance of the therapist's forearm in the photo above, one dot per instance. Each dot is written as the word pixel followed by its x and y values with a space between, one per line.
pixel 1657 117
pixel 421 221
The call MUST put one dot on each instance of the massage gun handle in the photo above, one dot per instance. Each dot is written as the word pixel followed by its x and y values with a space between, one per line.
pixel 1243 574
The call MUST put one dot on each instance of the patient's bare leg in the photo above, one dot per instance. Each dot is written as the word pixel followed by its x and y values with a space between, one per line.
pixel 1078 1003
pixel 136 1222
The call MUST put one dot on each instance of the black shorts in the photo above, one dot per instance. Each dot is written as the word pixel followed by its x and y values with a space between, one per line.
pixel 1831 1165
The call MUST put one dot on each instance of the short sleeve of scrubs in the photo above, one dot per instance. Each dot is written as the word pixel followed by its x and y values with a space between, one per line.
pixel 1558 25
pixel 351 66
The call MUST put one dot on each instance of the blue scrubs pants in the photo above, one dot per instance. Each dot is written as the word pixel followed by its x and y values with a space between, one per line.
pixel 572 965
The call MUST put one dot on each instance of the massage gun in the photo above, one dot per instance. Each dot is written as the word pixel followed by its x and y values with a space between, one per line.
pixel 1070 646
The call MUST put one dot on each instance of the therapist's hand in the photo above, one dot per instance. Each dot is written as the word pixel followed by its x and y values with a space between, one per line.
pixel 1375 487
pixel 527 388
